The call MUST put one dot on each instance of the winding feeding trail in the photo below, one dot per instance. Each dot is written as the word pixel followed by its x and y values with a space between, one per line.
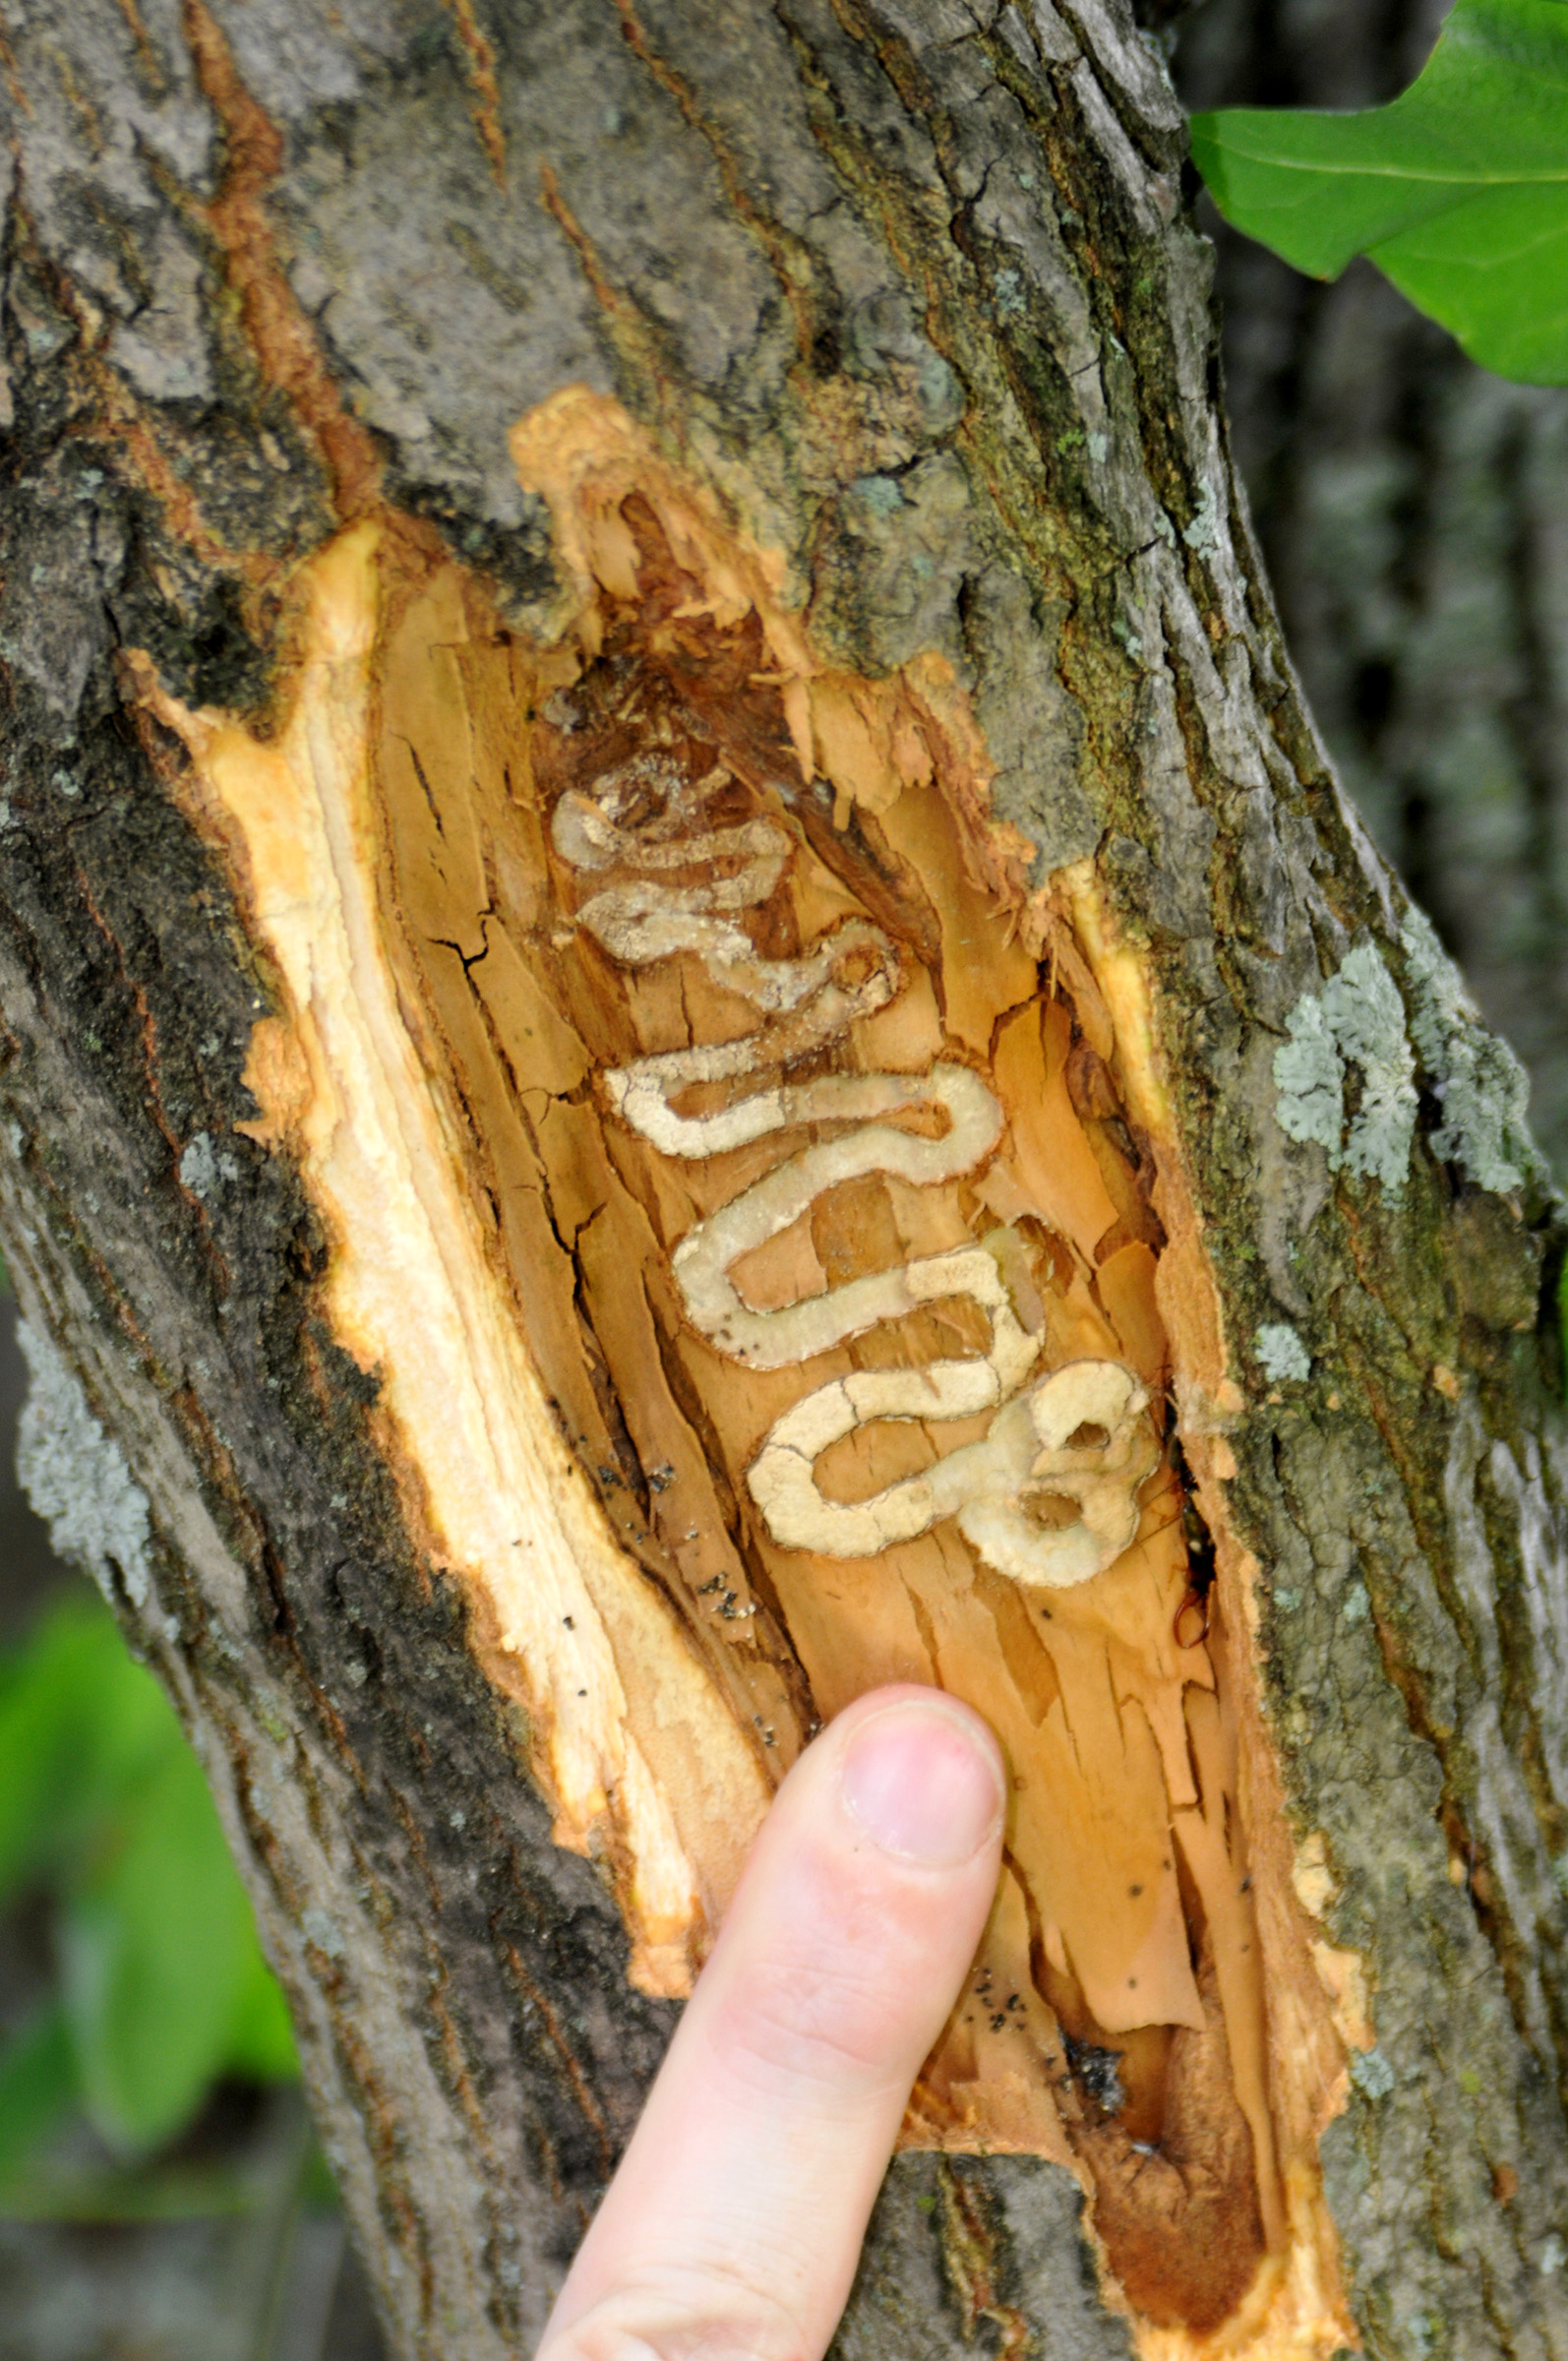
pixel 1078 1433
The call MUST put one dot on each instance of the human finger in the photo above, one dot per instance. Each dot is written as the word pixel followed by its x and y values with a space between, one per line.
pixel 735 2221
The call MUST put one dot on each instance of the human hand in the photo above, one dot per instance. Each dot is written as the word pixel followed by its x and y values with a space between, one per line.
pixel 734 2225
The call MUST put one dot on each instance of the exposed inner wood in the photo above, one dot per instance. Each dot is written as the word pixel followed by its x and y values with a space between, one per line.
pixel 722 1172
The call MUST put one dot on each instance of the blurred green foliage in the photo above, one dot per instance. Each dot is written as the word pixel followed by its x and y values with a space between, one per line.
pixel 162 1988
pixel 1458 189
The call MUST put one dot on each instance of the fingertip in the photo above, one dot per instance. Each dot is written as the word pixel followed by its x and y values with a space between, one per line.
pixel 921 1779
pixel 758 2160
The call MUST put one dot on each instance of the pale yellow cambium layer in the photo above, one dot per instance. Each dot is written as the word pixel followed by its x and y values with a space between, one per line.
pixel 646 1770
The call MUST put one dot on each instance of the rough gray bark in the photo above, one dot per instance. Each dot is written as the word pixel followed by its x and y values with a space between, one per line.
pixel 1411 510
pixel 911 282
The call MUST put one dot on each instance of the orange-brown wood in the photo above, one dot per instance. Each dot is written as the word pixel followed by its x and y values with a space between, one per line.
pixel 1085 1686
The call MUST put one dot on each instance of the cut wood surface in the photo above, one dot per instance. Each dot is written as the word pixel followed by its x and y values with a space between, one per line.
pixel 690 1023
pixel 726 1192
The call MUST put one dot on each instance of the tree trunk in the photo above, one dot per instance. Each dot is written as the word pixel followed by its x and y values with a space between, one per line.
pixel 1413 515
pixel 692 1021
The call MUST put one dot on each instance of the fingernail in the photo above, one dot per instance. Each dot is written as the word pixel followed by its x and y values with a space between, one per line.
pixel 924 1783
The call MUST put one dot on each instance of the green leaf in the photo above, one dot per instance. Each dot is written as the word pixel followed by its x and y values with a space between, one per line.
pixel 49 1691
pixel 39 1721
pixel 1459 190
pixel 101 1798
pixel 37 2084
pixel 80 1723
pixel 156 1942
